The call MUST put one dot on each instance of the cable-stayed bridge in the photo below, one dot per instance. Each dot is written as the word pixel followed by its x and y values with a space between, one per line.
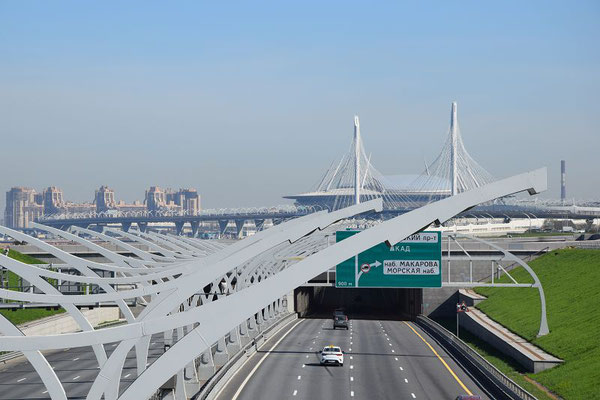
pixel 352 180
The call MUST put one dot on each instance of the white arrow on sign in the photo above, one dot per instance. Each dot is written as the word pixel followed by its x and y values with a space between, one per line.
pixel 366 268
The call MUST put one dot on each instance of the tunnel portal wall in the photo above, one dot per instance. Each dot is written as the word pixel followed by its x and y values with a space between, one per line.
pixel 359 303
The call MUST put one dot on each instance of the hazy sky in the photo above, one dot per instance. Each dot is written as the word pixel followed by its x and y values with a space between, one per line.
pixel 253 100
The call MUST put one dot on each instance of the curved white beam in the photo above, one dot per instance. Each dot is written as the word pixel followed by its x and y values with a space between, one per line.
pixel 543 330
pixel 241 305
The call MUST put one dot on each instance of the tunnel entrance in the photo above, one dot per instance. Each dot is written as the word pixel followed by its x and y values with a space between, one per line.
pixel 320 301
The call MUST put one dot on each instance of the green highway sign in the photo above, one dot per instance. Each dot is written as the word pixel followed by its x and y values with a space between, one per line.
pixel 416 262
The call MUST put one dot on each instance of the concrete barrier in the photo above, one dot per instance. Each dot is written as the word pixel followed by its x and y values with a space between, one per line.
pixel 531 357
pixel 64 323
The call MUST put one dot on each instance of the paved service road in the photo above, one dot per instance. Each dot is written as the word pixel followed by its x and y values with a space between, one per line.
pixel 383 360
pixel 76 368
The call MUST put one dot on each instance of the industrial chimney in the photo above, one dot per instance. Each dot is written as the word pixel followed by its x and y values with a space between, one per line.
pixel 563 181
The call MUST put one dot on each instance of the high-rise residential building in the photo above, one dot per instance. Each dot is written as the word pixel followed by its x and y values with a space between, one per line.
pixel 189 200
pixel 23 205
pixel 105 199
pixel 155 198
pixel 53 200
pixel 186 200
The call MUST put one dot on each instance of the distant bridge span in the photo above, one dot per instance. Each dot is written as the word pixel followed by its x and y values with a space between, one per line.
pixel 278 215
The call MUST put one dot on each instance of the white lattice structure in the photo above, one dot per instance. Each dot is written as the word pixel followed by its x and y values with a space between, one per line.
pixel 198 294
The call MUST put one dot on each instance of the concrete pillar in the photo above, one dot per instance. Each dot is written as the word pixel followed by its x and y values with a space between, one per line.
pixel 233 342
pixel 239 225
pixel 223 226
pixel 179 227
pixel 244 334
pixel 195 225
pixel 252 328
pixel 206 366
pixel 221 356
pixel 258 223
pixel 180 386
pixel 125 226
pixel 142 226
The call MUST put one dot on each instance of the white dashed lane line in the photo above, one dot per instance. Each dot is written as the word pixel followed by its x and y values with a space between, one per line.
pixel 352 393
pixel 77 377
pixel 75 359
pixel 299 377
pixel 413 396
pixel 21 380
pixel 295 393
pixel 351 379
pixel 405 380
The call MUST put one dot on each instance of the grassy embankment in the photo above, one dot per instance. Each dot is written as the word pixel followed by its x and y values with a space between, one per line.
pixel 24 315
pixel 571 279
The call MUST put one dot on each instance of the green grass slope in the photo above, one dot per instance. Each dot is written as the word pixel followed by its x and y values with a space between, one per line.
pixel 571 282
pixel 24 315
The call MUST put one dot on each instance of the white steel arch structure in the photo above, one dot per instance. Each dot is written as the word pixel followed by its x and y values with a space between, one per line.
pixel 199 298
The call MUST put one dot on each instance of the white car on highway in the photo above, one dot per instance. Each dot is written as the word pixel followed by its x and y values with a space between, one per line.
pixel 332 355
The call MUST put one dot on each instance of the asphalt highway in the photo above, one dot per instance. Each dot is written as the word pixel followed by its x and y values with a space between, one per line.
pixel 76 368
pixel 383 360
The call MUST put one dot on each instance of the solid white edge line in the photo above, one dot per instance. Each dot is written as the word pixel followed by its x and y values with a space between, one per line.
pixel 259 363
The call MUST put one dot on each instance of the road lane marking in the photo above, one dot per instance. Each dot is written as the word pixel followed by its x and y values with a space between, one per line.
pixel 393 351
pixel 352 367
pixel 351 358
pixel 441 360
pixel 75 359
pixel 299 376
pixel 396 358
pixel 401 369
pixel 405 380
pixel 44 392
pixel 237 393
pixel 303 365
pixel 413 396
pixel 295 393
pixel 352 393
pixel 127 376
pixel 351 379
pixel 77 377
pixel 21 380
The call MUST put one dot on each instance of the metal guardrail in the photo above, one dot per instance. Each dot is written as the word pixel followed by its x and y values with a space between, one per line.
pixel 9 356
pixel 499 379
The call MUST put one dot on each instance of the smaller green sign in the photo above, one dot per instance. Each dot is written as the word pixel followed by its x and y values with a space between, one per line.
pixel 416 262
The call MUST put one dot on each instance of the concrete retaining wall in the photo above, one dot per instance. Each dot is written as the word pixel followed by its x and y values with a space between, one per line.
pixel 533 359
pixel 64 323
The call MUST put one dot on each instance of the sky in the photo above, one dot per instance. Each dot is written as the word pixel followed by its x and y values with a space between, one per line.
pixel 250 101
